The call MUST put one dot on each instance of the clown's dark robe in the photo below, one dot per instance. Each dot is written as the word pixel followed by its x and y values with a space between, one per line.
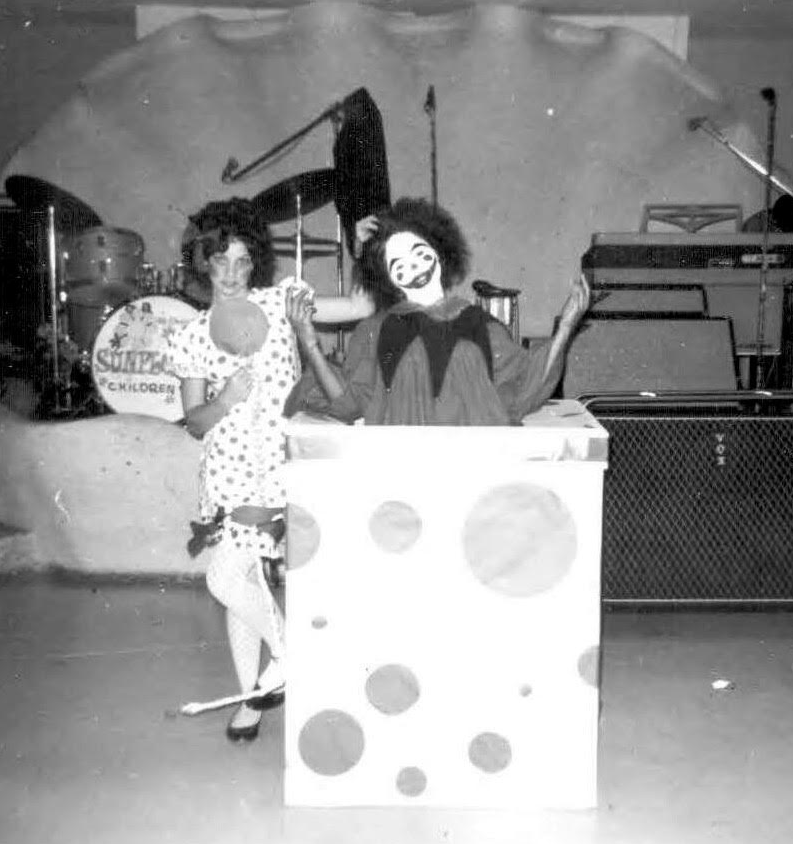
pixel 468 395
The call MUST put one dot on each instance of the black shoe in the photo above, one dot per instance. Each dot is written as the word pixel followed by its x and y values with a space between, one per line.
pixel 238 734
pixel 270 700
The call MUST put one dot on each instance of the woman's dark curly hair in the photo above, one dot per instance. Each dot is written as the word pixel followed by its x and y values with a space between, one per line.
pixel 219 222
pixel 430 222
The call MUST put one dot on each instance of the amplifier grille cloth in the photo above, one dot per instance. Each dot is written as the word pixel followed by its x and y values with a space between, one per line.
pixel 698 508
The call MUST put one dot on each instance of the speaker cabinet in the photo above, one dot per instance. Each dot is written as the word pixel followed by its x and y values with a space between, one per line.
pixel 646 299
pixel 631 354
pixel 698 508
pixel 727 265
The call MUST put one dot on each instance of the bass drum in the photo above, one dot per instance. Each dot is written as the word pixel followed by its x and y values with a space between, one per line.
pixel 131 357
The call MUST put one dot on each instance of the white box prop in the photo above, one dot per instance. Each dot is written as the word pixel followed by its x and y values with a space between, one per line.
pixel 443 613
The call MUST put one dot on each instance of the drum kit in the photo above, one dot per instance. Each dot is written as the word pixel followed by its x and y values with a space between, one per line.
pixel 106 315
pixel 103 336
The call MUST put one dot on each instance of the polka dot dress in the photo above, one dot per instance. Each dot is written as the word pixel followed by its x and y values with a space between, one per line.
pixel 243 454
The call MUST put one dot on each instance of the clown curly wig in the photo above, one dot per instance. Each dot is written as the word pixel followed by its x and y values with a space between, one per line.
pixel 219 222
pixel 428 221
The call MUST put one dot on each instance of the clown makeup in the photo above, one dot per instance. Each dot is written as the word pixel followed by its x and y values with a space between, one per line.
pixel 414 267
pixel 230 271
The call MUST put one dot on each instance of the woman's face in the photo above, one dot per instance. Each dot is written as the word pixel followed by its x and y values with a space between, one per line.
pixel 414 267
pixel 230 272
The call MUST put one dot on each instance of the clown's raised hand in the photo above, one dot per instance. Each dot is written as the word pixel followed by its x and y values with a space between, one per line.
pixel 574 308
pixel 365 228
pixel 576 303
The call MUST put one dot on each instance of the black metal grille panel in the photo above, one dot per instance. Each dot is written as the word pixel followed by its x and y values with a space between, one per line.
pixel 698 508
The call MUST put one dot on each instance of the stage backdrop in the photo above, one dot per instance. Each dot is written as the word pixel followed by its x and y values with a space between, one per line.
pixel 546 131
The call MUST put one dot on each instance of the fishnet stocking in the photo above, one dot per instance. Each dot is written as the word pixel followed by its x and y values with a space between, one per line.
pixel 252 614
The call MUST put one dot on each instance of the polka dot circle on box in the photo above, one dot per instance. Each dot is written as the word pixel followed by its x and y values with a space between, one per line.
pixel 395 526
pixel 490 752
pixel 302 535
pixel 411 781
pixel 331 742
pixel 520 539
pixel 392 689
pixel 589 665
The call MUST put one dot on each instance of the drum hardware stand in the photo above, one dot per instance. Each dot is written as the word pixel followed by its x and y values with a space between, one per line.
pixel 501 303
pixel 769 95
pixel 52 278
pixel 298 239
pixel 429 109
pixel 299 255
pixel 59 390
pixel 67 391
pixel 338 352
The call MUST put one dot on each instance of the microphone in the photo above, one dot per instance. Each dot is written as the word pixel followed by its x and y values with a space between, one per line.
pixel 769 95
pixel 695 122
pixel 429 103
pixel 228 171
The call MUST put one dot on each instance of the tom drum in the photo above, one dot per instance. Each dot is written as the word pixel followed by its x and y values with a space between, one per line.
pixel 102 265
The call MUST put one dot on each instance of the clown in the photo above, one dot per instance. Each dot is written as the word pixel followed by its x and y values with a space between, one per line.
pixel 427 357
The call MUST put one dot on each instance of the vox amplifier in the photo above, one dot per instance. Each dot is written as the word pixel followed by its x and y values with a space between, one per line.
pixel 698 505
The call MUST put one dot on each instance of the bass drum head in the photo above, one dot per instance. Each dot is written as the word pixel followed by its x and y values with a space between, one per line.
pixel 131 357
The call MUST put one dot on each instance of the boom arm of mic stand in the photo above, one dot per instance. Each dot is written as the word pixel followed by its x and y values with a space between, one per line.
pixel 708 128
pixel 232 172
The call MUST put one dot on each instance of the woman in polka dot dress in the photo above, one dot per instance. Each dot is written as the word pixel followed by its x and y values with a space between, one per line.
pixel 237 363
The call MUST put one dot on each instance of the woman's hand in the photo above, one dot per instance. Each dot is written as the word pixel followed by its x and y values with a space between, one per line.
pixel 576 304
pixel 365 229
pixel 236 389
pixel 300 309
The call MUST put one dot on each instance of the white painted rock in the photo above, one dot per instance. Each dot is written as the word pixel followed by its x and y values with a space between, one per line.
pixel 110 494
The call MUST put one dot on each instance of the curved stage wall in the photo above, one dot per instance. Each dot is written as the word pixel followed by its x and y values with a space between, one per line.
pixel 546 131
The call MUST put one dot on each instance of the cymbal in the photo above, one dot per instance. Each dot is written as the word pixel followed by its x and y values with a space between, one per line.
pixel 32 194
pixel 278 203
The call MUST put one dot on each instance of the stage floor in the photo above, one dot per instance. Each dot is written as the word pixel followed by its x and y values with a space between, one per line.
pixel 91 747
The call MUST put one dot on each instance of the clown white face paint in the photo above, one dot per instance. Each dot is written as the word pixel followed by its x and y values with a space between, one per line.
pixel 414 267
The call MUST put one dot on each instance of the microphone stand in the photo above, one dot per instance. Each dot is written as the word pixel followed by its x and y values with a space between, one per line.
pixel 232 172
pixel 769 95
pixel 429 108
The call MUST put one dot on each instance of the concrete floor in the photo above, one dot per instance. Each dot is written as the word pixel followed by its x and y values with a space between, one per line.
pixel 91 747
